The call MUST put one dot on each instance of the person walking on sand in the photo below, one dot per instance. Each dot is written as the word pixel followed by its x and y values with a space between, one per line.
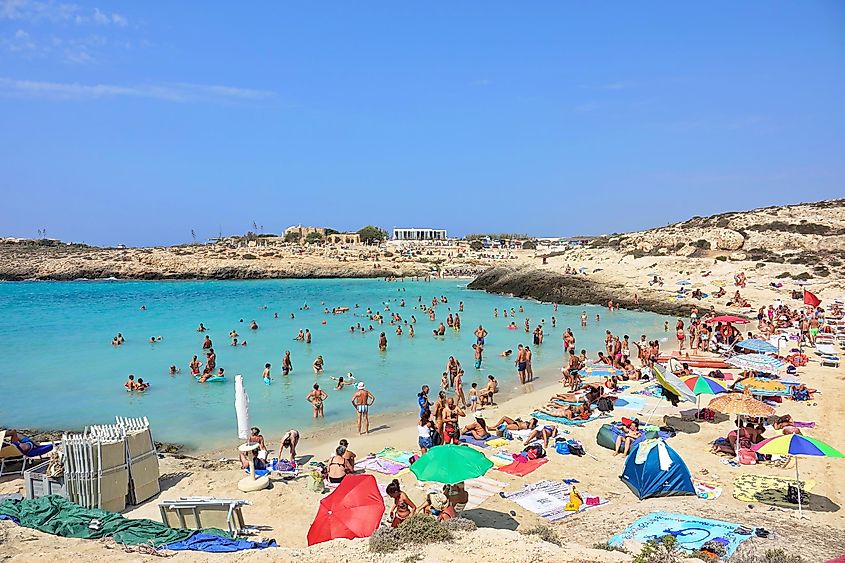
pixel 362 400
pixel 316 398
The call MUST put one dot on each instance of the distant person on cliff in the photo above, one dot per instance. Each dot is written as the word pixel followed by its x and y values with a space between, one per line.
pixel 362 400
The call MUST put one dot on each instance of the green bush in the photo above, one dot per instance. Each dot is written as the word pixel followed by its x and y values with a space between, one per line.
pixel 417 529
pixel 249 257
pixel 783 275
pixel 721 258
pixel 702 244
pixel 607 547
pixel 662 550
pixel 460 524
pixel 803 276
pixel 768 556
pixel 545 533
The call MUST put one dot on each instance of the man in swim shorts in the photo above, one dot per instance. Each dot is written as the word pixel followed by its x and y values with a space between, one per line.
pixel 362 400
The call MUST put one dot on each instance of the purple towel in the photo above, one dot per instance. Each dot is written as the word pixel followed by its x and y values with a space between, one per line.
pixel 798 424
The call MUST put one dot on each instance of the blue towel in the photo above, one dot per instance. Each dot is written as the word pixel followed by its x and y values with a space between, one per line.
pixel 559 420
pixel 211 543
pixel 468 439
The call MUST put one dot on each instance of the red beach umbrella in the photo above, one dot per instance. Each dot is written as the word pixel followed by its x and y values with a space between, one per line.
pixel 728 319
pixel 353 510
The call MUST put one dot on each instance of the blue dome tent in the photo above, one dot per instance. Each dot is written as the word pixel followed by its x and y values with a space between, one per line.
pixel 654 469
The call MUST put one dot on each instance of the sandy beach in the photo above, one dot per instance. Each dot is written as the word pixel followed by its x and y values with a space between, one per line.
pixel 286 511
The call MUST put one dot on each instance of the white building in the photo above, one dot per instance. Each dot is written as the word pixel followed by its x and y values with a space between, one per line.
pixel 418 234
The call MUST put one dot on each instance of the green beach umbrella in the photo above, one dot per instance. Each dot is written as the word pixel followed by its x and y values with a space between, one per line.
pixel 798 446
pixel 451 464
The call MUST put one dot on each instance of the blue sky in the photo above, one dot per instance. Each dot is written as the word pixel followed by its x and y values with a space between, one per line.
pixel 135 122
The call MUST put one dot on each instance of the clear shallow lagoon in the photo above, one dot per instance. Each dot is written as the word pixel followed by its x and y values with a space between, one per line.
pixel 59 369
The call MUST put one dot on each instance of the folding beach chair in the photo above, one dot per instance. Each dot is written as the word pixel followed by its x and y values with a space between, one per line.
pixel 10 453
pixel 194 513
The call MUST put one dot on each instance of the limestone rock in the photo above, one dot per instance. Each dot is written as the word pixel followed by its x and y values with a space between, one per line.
pixel 727 239
pixel 738 256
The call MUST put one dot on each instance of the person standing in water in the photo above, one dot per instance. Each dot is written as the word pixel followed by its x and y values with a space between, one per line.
pixel 478 349
pixel 316 398
pixel 287 365
pixel 362 400
pixel 382 342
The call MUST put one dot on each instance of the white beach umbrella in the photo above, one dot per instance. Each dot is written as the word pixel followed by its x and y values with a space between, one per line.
pixel 242 408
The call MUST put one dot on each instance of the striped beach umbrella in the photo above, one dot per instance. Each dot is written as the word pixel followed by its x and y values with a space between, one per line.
pixel 672 383
pixel 762 387
pixel 701 385
pixel 757 362
pixel 798 446
pixel 599 370
pixel 757 345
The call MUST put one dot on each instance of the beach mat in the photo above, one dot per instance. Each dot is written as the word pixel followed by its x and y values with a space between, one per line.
pixel 501 459
pixel 564 421
pixel 399 456
pixel 547 499
pixel 523 468
pixel 770 490
pixel 707 490
pixel 690 531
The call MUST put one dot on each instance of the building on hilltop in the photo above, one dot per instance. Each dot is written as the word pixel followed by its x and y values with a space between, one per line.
pixel 343 238
pixel 305 231
pixel 413 234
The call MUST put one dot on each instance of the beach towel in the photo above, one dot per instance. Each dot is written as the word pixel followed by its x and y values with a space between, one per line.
pixel 399 456
pixel 548 499
pixel 690 531
pixel 565 421
pixel 500 459
pixel 379 465
pixel 708 490
pixel 497 442
pixel 798 424
pixel 469 439
pixel 521 434
pixel 629 402
pixel 650 391
pixel 523 468
pixel 770 490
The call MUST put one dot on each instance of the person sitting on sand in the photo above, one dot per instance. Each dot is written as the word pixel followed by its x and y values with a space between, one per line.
pixel 478 429
pixel 486 394
pixel 348 455
pixel 437 505
pixel 720 293
pixel 403 507
pixel 457 495
pixel 545 433
pixel 803 393
pixel 338 466
pixel 516 424
pixel 632 432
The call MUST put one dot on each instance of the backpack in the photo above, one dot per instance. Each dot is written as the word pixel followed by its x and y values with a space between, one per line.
pixel 534 451
pixel 576 448
pixel 604 404
pixel 747 456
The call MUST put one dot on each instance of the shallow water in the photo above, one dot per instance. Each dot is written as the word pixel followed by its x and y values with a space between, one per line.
pixel 60 370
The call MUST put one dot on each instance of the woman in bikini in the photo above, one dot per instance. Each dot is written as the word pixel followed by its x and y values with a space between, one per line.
pixel 338 466
pixel 478 429
pixel 316 398
pixel 517 424
pixel 402 505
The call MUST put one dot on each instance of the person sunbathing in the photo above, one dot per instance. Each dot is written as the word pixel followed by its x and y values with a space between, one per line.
pixel 24 444
pixel 569 397
pixel 517 424
pixel 544 433
pixel 803 393
pixel 570 412
pixel 632 432
pixel 786 425
pixel 478 429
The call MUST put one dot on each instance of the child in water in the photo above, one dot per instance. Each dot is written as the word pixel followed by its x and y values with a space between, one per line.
pixel 266 375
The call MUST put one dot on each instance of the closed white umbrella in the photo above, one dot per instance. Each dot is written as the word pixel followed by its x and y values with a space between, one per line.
pixel 242 408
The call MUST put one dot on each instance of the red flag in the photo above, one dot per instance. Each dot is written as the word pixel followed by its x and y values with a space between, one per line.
pixel 810 299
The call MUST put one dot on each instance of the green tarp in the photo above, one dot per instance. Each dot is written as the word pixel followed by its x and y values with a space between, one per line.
pixel 58 516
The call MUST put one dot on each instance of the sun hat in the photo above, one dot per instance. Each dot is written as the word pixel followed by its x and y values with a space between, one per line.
pixel 360 385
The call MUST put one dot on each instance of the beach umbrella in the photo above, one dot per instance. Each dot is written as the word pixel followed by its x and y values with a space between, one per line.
pixel 672 383
pixel 242 408
pixel 798 446
pixel 757 362
pixel 451 464
pixel 757 345
pixel 701 385
pixel 353 510
pixel 740 404
pixel 728 319
pixel 762 387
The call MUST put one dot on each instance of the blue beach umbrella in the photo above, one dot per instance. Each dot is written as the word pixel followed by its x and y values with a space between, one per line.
pixel 757 362
pixel 757 345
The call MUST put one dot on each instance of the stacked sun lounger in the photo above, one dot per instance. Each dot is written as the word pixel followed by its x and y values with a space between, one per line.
pixel 196 513
pixel 827 353
pixel 111 466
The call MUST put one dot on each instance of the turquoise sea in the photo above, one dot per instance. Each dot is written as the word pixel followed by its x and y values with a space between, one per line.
pixel 59 369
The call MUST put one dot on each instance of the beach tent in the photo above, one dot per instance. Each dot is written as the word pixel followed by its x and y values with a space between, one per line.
pixel 654 469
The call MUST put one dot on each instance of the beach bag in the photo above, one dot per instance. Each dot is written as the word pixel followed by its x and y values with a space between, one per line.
pixel 792 494
pixel 562 447
pixel 747 456
pixel 575 447
pixel 604 404
pixel 315 482
pixel 534 451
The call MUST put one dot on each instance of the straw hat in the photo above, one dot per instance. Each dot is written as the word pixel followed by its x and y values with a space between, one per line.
pixel 740 403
